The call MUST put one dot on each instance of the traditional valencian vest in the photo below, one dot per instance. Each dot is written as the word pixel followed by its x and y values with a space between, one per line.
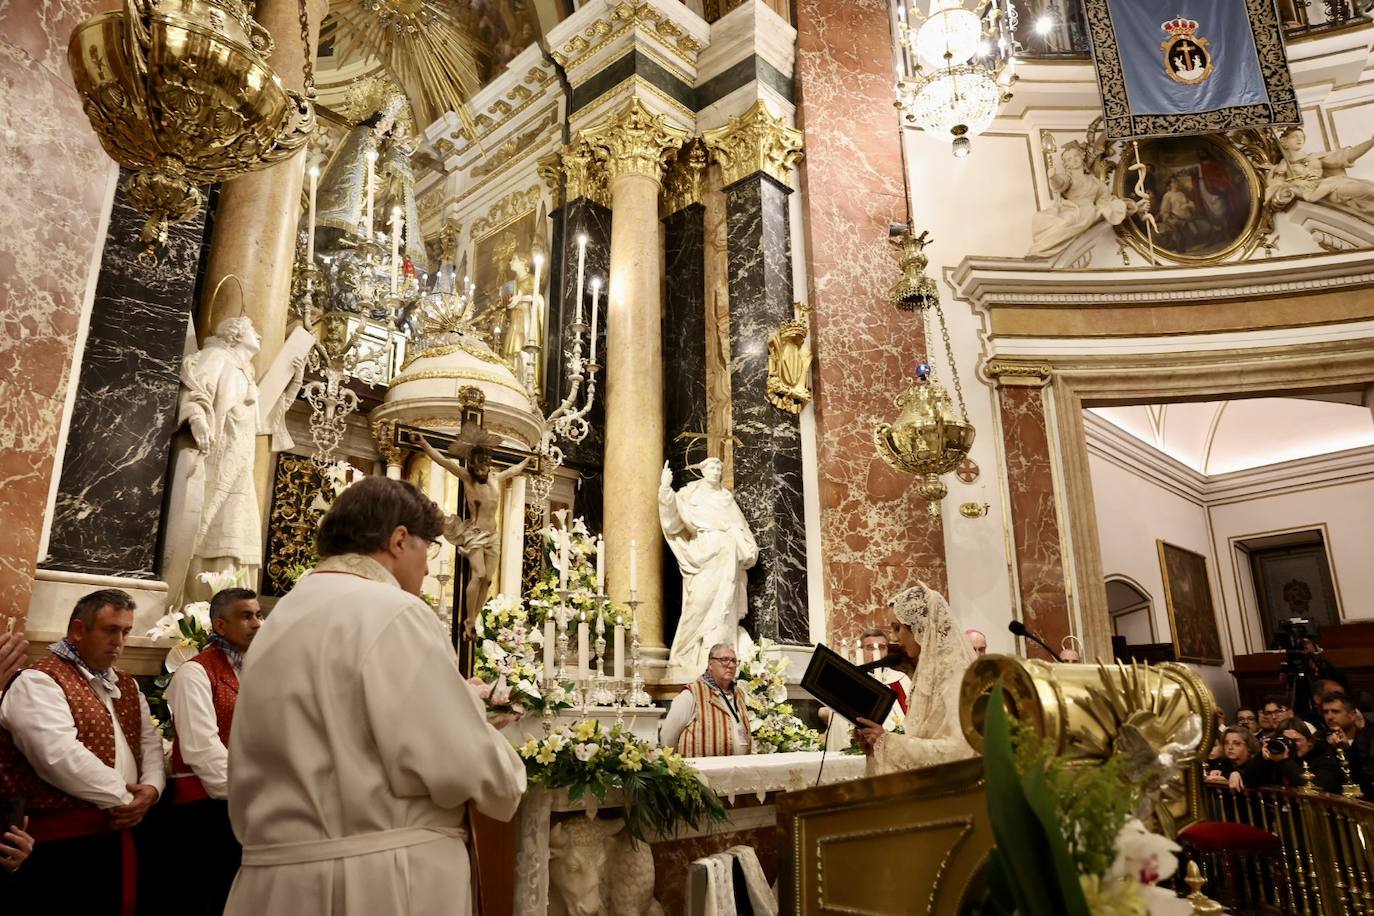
pixel 224 691
pixel 94 729
pixel 709 734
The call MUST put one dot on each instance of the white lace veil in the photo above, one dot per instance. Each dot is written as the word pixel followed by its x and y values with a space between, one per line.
pixel 933 734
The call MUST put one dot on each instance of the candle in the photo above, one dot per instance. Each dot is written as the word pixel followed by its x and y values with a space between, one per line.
pixel 582 644
pixel 858 652
pixel 395 249
pixel 310 231
pixel 532 320
pixel 619 652
pixel 596 294
pixel 443 566
pixel 600 565
pixel 371 186
pixel 581 271
pixel 634 568
pixel 549 637
pixel 563 560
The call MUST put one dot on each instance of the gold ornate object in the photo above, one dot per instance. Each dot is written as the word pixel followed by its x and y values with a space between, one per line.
pixel 789 363
pixel 384 438
pixel 1309 781
pixel 633 141
pixel 1349 788
pixel 1140 713
pixel 927 439
pixel 293 521
pixel 682 178
pixel 974 510
pixel 755 141
pixel 1200 901
pixel 179 93
pixel 915 290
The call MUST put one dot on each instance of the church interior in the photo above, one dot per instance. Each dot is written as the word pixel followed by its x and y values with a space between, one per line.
pixel 746 337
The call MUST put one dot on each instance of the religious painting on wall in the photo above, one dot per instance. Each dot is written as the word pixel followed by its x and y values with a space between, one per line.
pixel 1294 581
pixel 507 309
pixel 1205 199
pixel 1188 595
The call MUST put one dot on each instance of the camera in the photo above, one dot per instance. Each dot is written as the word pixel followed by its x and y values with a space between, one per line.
pixel 1290 639
pixel 1280 745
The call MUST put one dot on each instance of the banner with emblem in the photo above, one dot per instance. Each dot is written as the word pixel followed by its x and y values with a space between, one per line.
pixel 1172 67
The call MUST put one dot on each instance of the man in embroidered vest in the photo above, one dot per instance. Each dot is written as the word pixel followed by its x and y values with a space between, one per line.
pixel 201 697
pixel 708 718
pixel 357 745
pixel 78 745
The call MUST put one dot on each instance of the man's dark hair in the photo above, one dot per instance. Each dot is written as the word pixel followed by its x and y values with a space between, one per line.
pixel 1241 709
pixel 89 606
pixel 1279 701
pixel 873 631
pixel 226 598
pixel 363 517
pixel 1336 696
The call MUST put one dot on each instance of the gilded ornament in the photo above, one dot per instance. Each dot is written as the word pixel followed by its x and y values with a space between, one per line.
pixel 755 141
pixel 505 210
pixel 683 177
pixel 297 491
pixel 789 363
pixel 1010 373
pixel 915 290
pixel 179 93
pixel 516 147
pixel 384 438
pixel 927 439
pixel 633 141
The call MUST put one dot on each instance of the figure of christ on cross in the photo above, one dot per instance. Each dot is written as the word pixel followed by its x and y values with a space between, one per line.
pixel 475 536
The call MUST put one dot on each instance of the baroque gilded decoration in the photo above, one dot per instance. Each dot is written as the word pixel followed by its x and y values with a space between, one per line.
pixel 755 141
pixel 789 363
pixel 682 179
pixel 1009 373
pixel 517 146
pixel 384 438
pixel 633 141
pixel 505 210
pixel 623 18
pixel 295 515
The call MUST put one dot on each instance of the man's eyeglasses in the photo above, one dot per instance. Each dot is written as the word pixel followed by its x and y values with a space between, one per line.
pixel 730 662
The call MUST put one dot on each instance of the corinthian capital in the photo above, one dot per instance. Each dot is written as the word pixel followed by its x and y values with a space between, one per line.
pixel 756 141
pixel 634 141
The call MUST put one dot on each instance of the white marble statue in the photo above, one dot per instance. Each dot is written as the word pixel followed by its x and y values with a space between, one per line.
pixel 714 548
pixel 1318 176
pixel 595 869
pixel 219 404
pixel 1083 200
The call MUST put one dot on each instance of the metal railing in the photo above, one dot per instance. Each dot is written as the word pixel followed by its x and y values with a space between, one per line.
pixel 1327 861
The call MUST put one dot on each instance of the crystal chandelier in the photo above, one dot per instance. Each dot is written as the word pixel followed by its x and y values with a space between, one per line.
pixel 953 69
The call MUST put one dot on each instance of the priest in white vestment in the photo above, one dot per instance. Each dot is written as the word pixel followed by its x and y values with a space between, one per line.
pixel 357 745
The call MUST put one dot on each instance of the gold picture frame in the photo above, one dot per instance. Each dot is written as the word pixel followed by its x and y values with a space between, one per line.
pixel 1188 596
pixel 1205 194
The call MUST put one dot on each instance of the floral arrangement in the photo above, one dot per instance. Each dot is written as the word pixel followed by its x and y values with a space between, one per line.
pixel 190 626
pixel 1067 841
pixel 582 592
pixel 659 790
pixel 507 659
pixel 773 725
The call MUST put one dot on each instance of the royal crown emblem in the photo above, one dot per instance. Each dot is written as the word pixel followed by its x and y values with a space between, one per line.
pixel 1187 58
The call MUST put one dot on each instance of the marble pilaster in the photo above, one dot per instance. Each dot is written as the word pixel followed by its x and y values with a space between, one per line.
pixel 875 536
pixel 55 193
pixel 109 498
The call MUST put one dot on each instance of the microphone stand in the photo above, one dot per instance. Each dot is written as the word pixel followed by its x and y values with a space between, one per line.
pixel 1020 629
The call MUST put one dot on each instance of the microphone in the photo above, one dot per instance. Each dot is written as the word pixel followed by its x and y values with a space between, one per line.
pixel 892 659
pixel 1020 629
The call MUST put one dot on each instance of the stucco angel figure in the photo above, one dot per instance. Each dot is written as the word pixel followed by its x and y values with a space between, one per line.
pixel 714 549
pixel 476 536
pixel 1318 176
pixel 1084 198
pixel 929 632
pixel 219 403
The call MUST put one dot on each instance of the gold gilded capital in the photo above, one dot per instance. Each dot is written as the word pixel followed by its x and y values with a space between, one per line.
pixel 384 437
pixel 756 141
pixel 633 141
pixel 1026 375
pixel 583 176
pixel 682 178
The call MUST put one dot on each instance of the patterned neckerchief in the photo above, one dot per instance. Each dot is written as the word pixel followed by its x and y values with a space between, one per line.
pixel 107 679
pixel 727 696
pixel 234 655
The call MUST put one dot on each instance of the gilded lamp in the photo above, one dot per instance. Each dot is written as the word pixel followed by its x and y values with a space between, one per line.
pixel 179 93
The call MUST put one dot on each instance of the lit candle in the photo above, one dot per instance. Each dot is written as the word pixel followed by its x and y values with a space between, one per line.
pixel 371 187
pixel 395 249
pixel 582 647
pixel 563 560
pixel 581 270
pixel 858 652
pixel 600 565
pixel 596 297
pixel 634 568
pixel 549 637
pixel 310 231
pixel 619 652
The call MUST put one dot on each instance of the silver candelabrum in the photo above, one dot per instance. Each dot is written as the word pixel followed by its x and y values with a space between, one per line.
pixel 602 695
pixel 638 696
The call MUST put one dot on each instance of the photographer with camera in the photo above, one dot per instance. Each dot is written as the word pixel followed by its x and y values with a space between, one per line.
pixel 1296 743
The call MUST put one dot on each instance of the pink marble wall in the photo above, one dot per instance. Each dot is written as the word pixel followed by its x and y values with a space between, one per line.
pixel 1035 524
pixel 53 190
pixel 876 536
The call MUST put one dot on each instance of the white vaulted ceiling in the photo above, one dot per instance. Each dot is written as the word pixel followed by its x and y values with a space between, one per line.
pixel 1217 437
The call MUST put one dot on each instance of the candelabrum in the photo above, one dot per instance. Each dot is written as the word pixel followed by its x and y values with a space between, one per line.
pixel 638 696
pixel 602 694
pixel 561 616
pixel 443 578
pixel 1349 788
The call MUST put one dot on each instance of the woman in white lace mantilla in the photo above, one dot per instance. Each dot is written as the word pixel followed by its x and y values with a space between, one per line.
pixel 928 631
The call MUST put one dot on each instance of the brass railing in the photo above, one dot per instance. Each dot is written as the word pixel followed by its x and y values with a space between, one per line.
pixel 1326 867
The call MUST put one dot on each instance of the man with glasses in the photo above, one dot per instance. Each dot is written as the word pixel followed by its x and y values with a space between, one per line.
pixel 1273 711
pixel 708 718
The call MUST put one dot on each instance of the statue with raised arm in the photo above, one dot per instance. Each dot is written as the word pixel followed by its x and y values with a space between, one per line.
pixel 1083 199
pixel 475 536
pixel 714 549
pixel 1318 176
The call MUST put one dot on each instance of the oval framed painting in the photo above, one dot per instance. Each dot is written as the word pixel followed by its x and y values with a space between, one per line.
pixel 1205 196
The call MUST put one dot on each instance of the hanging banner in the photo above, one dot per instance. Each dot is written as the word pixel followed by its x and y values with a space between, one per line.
pixel 1167 67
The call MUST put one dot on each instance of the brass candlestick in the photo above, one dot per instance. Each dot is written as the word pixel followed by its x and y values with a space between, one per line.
pixel 1349 788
